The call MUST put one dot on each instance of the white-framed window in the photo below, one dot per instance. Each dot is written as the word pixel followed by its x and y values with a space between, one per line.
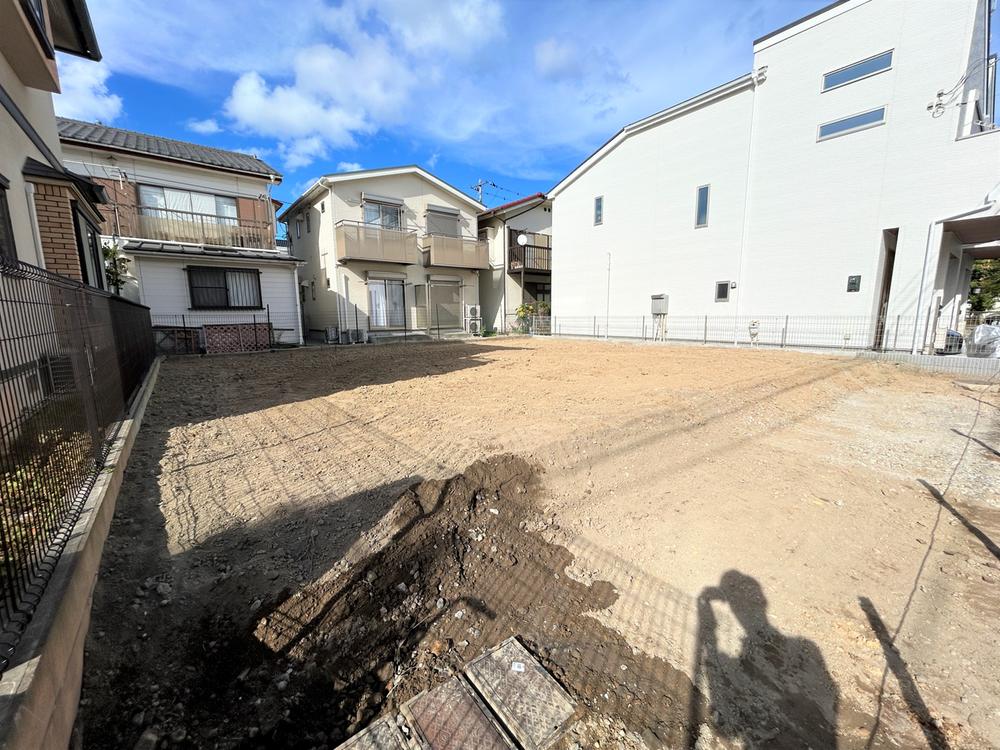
pixel 598 210
pixel 444 224
pixel 308 223
pixel 722 291
pixel 852 124
pixel 856 71
pixel 701 206
pixel 298 229
pixel 215 288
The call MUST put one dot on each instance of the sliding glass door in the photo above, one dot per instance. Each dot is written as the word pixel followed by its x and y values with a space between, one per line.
pixel 386 303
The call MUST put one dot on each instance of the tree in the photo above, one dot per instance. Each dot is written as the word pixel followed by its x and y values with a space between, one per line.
pixel 115 266
pixel 985 285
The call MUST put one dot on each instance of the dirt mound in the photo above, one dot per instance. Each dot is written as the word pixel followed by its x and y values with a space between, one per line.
pixel 463 565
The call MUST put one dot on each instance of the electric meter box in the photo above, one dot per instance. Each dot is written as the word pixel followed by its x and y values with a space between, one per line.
pixel 660 302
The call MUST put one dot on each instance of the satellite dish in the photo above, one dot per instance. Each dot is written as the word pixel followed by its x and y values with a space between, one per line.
pixel 522 239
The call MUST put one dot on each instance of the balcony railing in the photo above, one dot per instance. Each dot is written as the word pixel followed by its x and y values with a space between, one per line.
pixel 455 252
pixel 535 256
pixel 358 241
pixel 171 225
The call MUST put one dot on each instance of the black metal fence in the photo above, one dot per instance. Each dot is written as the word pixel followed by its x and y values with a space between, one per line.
pixel 71 359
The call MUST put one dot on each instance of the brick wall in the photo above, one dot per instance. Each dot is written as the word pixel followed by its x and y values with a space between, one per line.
pixel 125 195
pixel 55 224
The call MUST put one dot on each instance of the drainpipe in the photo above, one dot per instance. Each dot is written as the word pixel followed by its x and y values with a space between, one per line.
pixel 923 271
pixel 36 235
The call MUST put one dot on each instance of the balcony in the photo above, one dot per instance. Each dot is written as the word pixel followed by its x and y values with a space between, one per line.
pixel 171 225
pixel 455 252
pixel 358 241
pixel 535 256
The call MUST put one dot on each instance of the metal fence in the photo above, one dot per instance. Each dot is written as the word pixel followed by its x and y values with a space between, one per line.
pixel 224 332
pixel 893 336
pixel 71 359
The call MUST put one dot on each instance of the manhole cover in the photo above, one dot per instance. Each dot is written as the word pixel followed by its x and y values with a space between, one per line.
pixel 451 717
pixel 527 699
pixel 382 735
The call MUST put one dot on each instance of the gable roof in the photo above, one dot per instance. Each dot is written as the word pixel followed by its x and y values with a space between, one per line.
pixel 503 208
pixel 100 136
pixel 748 80
pixel 364 174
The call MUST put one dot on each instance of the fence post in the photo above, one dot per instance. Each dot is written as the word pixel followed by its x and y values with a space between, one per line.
pixel 784 333
pixel 437 318
pixel 643 327
pixel 895 337
pixel 256 339
pixel 356 326
pixel 705 338
pixel 270 327
pixel 595 326
pixel 405 324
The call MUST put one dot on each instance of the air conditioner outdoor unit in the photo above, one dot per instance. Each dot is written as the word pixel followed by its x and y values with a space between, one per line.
pixel 345 337
pixel 475 326
pixel 357 336
pixel 473 311
pixel 332 334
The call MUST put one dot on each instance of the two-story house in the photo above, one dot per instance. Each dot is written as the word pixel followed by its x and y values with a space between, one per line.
pixel 198 225
pixel 387 252
pixel 519 236
pixel 852 174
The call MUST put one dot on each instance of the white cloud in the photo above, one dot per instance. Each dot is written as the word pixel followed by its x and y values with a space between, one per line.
pixel 432 160
pixel 207 126
pixel 85 94
pixel 348 166
pixel 518 89
pixel 555 59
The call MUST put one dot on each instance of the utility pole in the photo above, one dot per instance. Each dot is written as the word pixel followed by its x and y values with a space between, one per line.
pixel 478 188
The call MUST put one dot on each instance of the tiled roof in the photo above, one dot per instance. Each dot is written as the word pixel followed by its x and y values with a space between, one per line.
pixel 505 206
pixel 102 136
pixel 205 251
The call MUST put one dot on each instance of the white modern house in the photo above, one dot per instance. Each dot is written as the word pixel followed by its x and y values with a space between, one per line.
pixel 519 236
pixel 387 252
pixel 853 174
pixel 198 225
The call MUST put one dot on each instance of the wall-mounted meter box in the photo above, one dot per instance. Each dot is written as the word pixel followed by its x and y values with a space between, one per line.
pixel 660 302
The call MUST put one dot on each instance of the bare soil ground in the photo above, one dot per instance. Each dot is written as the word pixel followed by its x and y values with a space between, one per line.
pixel 709 548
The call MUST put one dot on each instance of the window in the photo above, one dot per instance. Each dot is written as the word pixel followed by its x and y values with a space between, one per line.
pixel 322 207
pixel 439 222
pixel 166 202
pixel 384 215
pixel 308 223
pixel 7 249
pixel 854 283
pixel 857 71
pixel 852 124
pixel 224 288
pixel 35 11
pixel 722 291
pixel 701 207
pixel 386 303
pixel 298 229
pixel 598 210
pixel 88 248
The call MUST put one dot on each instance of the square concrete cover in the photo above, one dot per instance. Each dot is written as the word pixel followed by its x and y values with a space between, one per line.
pixel 451 717
pixel 382 735
pixel 531 704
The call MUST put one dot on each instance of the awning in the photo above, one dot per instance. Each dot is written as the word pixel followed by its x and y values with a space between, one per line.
pixel 385 275
pixel 975 230
pixel 447 279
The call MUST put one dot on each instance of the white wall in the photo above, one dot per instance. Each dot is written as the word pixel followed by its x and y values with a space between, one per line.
pixel 814 211
pixel 164 289
pixel 649 184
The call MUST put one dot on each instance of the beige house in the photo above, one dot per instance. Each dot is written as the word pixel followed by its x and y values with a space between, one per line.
pixel 387 252
pixel 519 235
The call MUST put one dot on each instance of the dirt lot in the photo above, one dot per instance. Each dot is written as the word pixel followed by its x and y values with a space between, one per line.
pixel 707 547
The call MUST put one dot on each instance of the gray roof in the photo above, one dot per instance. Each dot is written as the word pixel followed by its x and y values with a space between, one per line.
pixel 116 139
pixel 205 251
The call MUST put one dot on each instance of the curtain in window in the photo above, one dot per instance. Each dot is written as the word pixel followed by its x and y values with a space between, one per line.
pixel 377 305
pixel 208 288
pixel 244 288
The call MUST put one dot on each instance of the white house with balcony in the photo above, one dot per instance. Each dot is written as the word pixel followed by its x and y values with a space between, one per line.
pixel 198 226
pixel 387 252
pixel 852 174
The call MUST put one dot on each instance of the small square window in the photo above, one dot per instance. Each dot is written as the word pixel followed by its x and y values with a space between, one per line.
pixel 598 210
pixel 854 283
pixel 701 210
pixel 322 207
pixel 722 291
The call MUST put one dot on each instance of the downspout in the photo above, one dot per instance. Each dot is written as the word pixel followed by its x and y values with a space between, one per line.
pixel 923 270
pixel 36 235
pixel 759 76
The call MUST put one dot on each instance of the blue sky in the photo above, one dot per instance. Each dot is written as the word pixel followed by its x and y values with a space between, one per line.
pixel 516 93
